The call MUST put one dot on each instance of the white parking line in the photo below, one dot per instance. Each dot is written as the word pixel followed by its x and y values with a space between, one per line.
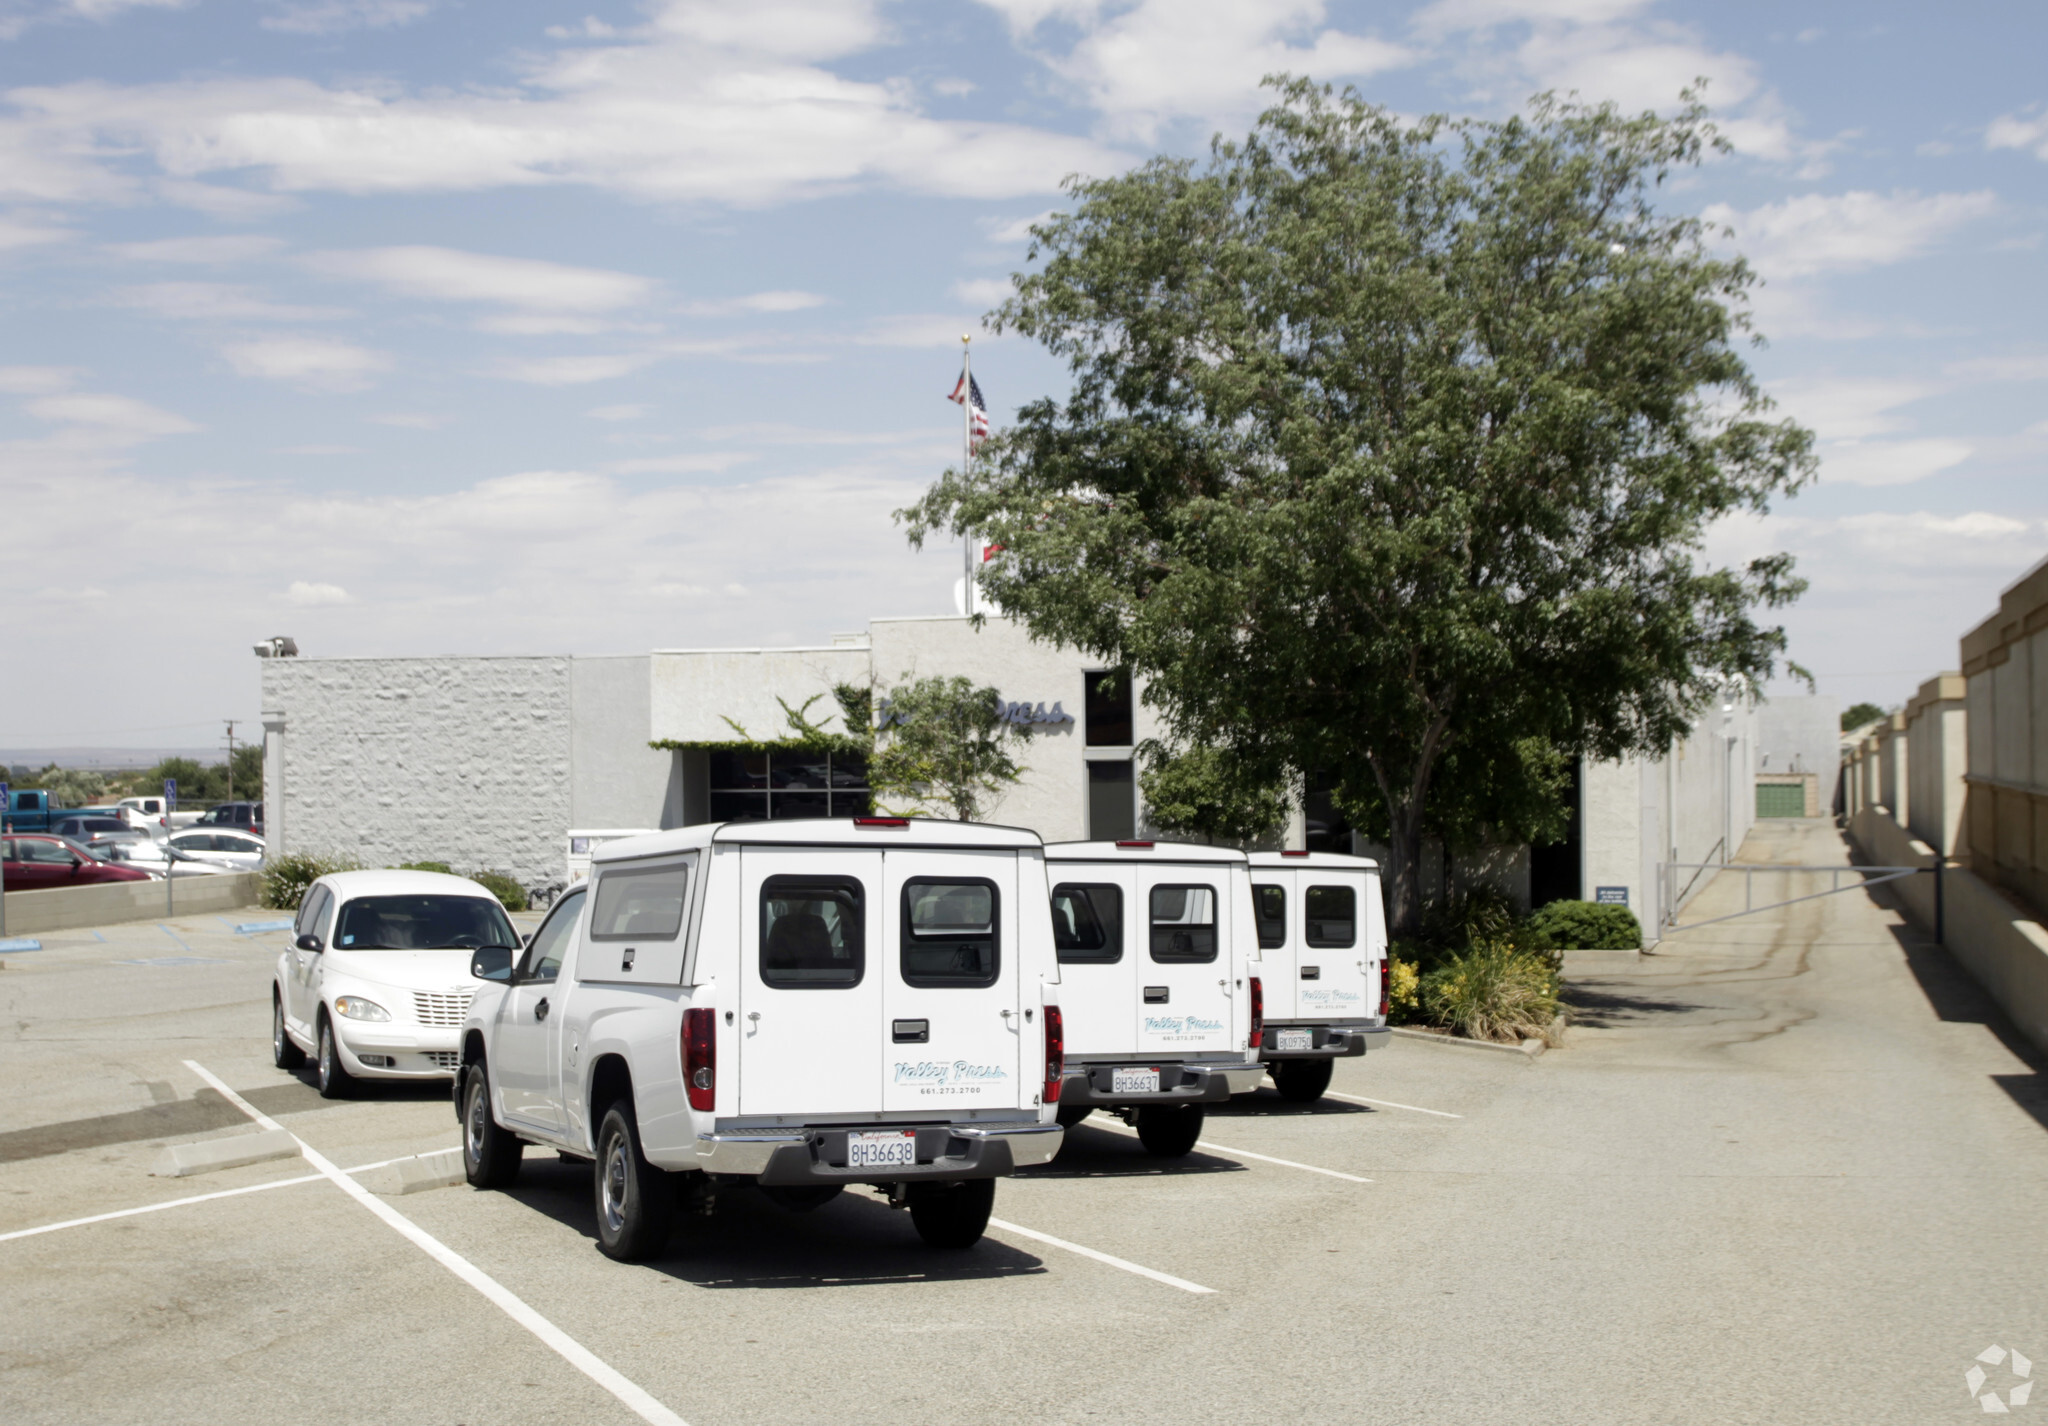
pixel 197 1198
pixel 1130 1267
pixel 1389 1104
pixel 629 1394
pixel 1245 1154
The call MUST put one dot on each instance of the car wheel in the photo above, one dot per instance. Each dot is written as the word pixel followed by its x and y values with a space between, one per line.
pixel 1169 1130
pixel 1072 1114
pixel 328 1071
pixel 952 1215
pixel 1302 1081
pixel 490 1154
pixel 283 1053
pixel 636 1204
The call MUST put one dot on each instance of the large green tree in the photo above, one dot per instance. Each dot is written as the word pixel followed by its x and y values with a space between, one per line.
pixel 945 747
pixel 1390 451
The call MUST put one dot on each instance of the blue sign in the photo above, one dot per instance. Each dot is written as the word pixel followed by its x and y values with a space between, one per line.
pixel 170 794
pixel 1611 895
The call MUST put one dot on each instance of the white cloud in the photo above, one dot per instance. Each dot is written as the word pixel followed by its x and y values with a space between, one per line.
pixel 1819 233
pixel 35 380
pixel 2012 131
pixel 412 420
pixel 778 301
pixel 232 205
pixel 309 363
pixel 576 370
pixel 1444 17
pixel 214 302
pixel 1889 462
pixel 921 329
pixel 327 17
pixel 218 249
pixel 16 232
pixel 981 291
pixel 108 9
pixel 617 413
pixel 449 275
pixel 118 419
pixel 305 594
pixel 1852 408
pixel 1016 230
pixel 702 461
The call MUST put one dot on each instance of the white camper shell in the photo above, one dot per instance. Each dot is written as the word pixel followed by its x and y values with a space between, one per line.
pixel 1158 982
pixel 1322 931
pixel 794 1005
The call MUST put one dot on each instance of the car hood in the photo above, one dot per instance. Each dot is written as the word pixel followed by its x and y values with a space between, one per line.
pixel 405 970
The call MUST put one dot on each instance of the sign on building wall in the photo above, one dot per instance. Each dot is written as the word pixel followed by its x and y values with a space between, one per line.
pixel 1611 895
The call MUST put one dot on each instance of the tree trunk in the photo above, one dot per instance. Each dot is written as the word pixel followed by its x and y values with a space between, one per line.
pixel 1404 866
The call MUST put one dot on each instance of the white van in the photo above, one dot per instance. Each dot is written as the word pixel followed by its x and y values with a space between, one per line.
pixel 1159 983
pixel 1323 940
pixel 795 1006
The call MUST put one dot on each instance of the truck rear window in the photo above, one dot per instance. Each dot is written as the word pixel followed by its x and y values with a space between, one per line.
pixel 640 903
pixel 1332 916
pixel 1269 908
pixel 811 932
pixel 1183 923
pixel 949 931
pixel 1088 921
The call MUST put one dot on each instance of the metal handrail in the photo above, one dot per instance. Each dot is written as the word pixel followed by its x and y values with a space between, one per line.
pixel 1877 876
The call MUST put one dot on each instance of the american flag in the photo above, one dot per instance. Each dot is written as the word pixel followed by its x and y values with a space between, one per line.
pixel 969 390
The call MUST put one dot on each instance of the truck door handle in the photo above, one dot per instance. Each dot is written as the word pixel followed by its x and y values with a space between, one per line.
pixel 911 1032
pixel 1155 995
pixel 1311 972
pixel 540 1011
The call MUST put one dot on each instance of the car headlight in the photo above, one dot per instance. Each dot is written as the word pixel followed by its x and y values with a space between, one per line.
pixel 357 1008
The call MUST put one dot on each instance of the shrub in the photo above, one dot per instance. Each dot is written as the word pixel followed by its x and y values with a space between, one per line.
pixel 1402 1005
pixel 510 893
pixel 1492 992
pixel 441 867
pixel 1589 926
pixel 285 879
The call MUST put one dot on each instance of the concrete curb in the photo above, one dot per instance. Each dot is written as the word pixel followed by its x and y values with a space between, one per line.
pixel 1528 1049
pixel 184 1160
pixel 441 1169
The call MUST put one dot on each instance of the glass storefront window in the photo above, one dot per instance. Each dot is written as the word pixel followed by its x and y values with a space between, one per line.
pixel 760 787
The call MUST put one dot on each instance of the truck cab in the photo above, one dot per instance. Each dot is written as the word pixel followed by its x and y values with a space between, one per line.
pixel 1159 983
pixel 1322 933
pixel 792 1006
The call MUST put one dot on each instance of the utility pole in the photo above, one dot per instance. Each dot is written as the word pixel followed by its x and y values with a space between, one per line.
pixel 231 756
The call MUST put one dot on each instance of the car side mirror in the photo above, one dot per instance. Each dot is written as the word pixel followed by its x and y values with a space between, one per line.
pixel 309 942
pixel 492 963
pixel 526 938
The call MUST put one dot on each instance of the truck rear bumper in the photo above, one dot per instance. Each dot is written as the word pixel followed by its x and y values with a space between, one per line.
pixel 818 1156
pixel 1330 1042
pixel 1178 1083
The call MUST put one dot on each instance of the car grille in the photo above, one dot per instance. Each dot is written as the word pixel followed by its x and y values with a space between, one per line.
pixel 441 1009
pixel 444 1059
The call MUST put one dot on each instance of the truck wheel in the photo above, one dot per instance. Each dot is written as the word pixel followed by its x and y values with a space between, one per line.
pixel 802 1200
pixel 953 1215
pixel 1302 1081
pixel 1169 1130
pixel 636 1205
pixel 283 1053
pixel 490 1154
pixel 328 1071
pixel 1072 1114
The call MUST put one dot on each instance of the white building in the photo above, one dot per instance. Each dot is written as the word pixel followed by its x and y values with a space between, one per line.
pixel 489 762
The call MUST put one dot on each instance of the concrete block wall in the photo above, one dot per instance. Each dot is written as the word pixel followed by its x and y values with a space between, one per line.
pixel 2005 672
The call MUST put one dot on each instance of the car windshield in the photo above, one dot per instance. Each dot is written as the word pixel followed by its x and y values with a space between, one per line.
pixel 422 923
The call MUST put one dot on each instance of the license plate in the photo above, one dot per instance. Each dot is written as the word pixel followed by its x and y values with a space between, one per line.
pixel 1294 1040
pixel 869 1151
pixel 1144 1081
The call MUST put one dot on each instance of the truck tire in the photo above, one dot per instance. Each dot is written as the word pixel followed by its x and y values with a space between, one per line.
pixel 1072 1114
pixel 953 1215
pixel 636 1204
pixel 491 1154
pixel 1169 1130
pixel 283 1052
pixel 328 1071
pixel 1302 1081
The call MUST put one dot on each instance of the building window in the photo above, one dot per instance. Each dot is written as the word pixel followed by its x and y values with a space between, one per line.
pixel 1112 801
pixel 762 787
pixel 1328 830
pixel 1107 705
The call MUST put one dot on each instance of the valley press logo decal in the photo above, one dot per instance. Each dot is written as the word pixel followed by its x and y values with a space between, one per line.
pixel 944 1077
pixel 2017 1367
pixel 1181 1025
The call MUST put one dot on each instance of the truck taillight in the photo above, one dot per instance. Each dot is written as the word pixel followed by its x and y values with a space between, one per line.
pixel 1386 987
pixel 1258 1013
pixel 700 1056
pixel 1055 1053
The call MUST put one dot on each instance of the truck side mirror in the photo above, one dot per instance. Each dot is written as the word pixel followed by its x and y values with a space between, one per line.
pixel 309 942
pixel 492 963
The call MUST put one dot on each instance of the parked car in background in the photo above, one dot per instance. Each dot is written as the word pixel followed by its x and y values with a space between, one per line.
pixel 146 812
pixel 246 815
pixel 98 831
pixel 39 862
pixel 376 983
pixel 237 851
pixel 162 859
pixel 28 810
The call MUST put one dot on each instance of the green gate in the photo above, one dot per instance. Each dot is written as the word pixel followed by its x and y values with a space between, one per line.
pixel 1780 799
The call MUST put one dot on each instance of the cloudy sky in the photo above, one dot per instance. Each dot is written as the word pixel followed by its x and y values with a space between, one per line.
pixel 498 326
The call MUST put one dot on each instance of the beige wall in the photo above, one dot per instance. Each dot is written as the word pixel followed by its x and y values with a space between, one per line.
pixel 693 691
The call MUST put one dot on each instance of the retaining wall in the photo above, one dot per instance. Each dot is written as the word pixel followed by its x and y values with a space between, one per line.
pixel 66 908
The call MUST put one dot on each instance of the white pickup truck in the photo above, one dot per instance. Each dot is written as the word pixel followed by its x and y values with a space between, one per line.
pixel 1159 983
pixel 1323 941
pixel 795 1006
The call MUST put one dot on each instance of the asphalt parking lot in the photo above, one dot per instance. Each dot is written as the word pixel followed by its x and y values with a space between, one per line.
pixel 1791 1170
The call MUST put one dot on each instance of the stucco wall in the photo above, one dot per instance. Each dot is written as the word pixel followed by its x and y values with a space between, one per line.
pixel 1800 735
pixel 694 691
pixel 616 780
pixel 459 760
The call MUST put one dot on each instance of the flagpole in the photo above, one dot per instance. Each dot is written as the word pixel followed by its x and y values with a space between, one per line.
pixel 967 463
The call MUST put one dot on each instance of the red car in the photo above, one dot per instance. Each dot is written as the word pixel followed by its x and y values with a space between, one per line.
pixel 36 863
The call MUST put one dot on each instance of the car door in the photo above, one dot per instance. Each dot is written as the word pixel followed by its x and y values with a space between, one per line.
pixel 1185 994
pixel 1331 976
pixel 950 983
pixel 810 980
pixel 526 1040
pixel 1276 905
pixel 1099 931
pixel 44 862
pixel 302 993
